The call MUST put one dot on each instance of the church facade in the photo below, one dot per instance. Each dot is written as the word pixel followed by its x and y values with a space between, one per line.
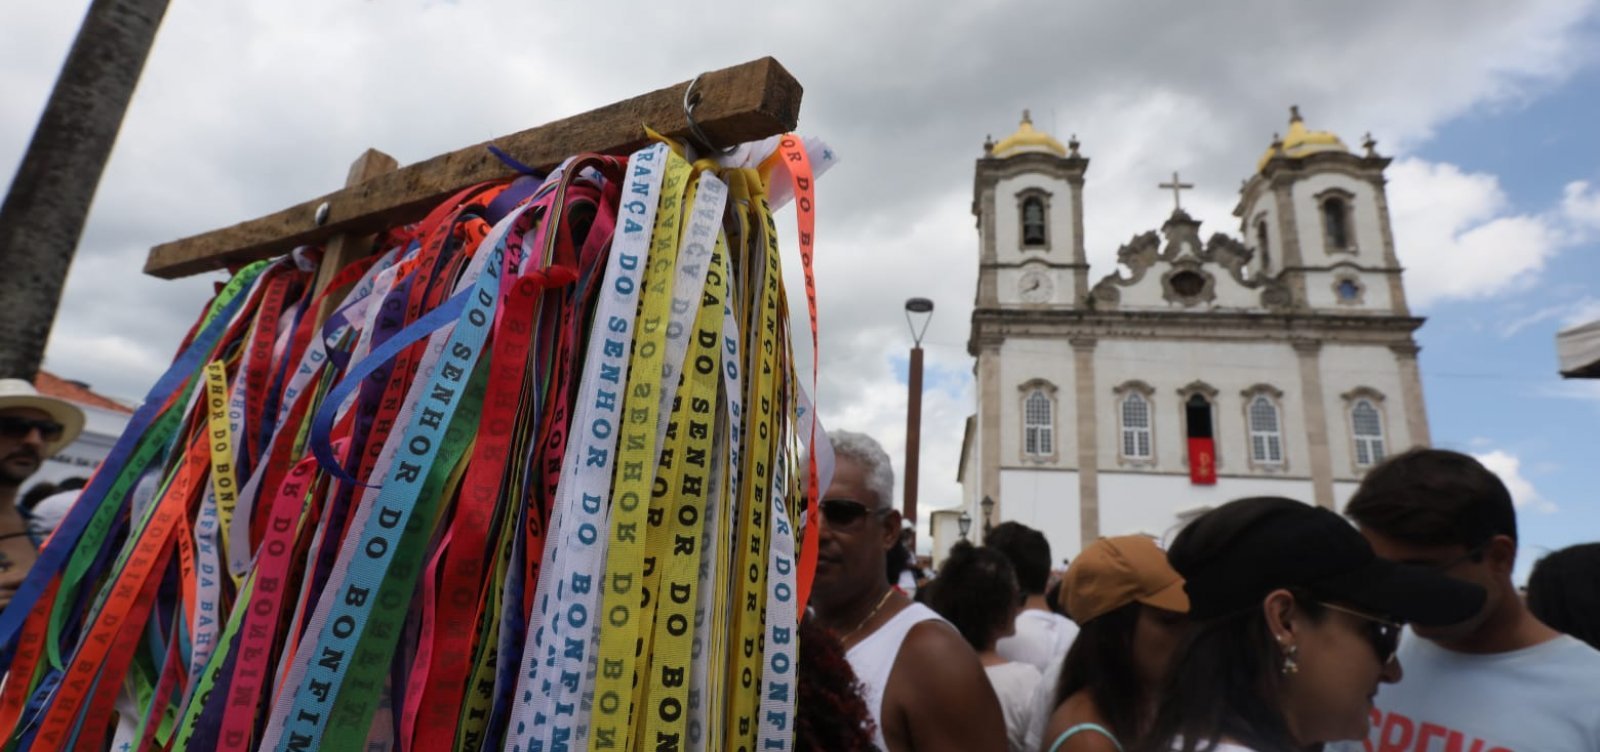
pixel 1202 369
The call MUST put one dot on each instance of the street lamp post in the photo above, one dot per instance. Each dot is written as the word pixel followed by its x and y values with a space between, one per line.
pixel 988 515
pixel 964 523
pixel 921 308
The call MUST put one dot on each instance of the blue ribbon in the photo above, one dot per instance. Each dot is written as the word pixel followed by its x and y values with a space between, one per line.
pixel 392 508
pixel 322 426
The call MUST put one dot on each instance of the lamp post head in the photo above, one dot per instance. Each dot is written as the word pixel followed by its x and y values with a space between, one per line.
pixel 919 307
pixel 964 523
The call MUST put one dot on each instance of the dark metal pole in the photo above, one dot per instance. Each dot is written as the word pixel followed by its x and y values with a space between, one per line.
pixel 921 308
pixel 913 433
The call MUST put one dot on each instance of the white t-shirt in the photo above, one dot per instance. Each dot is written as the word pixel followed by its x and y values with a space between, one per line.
pixel 908 583
pixel 1014 683
pixel 1544 698
pixel 1038 628
pixel 1043 703
pixel 1041 638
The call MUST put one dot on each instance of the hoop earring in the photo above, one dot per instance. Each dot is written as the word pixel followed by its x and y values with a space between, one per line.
pixel 1290 666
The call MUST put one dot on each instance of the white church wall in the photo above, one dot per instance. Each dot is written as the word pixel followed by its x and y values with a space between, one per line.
pixel 1142 503
pixel 1322 290
pixel 1046 500
pixel 1008 218
pixel 1342 491
pixel 1349 367
pixel 944 530
pixel 1230 368
pixel 1149 294
pixel 1231 294
pixel 1367 236
pixel 1022 360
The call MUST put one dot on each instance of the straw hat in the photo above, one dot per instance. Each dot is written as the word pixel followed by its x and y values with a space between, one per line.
pixel 16 393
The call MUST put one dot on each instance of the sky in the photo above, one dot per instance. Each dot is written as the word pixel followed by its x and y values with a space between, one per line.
pixel 1488 110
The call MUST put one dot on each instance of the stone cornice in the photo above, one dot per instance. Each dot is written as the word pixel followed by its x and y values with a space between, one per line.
pixel 991 170
pixel 1039 260
pixel 992 326
pixel 1282 169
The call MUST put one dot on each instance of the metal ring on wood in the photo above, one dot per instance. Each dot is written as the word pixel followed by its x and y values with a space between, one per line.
pixel 691 100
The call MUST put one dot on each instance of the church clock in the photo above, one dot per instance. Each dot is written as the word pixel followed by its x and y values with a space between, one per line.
pixel 1035 287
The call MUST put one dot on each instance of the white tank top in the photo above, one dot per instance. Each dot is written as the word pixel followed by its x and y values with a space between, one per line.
pixel 873 658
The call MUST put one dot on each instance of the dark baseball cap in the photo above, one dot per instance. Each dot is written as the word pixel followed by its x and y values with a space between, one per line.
pixel 1232 556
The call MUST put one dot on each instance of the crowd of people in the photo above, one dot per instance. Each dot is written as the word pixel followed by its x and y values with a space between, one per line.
pixel 1267 624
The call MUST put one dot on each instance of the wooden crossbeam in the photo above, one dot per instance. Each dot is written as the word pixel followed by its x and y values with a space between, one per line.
pixel 746 102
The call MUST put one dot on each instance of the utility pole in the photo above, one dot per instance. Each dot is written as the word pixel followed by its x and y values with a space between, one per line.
pixel 45 209
pixel 924 308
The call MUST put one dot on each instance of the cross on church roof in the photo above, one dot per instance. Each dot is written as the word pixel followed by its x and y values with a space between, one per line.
pixel 1176 186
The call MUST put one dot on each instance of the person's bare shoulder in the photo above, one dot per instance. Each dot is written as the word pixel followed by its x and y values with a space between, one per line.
pixel 1078 709
pixel 941 695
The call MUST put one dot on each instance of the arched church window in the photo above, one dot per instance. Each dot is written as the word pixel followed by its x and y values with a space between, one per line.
pixel 1136 443
pixel 1197 417
pixel 1367 427
pixel 1038 427
pixel 1033 222
pixel 1261 243
pixel 1336 223
pixel 1266 432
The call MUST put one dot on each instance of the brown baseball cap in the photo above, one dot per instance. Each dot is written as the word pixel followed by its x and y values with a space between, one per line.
pixel 1113 572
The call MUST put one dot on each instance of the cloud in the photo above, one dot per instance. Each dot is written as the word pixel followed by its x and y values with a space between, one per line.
pixel 1452 230
pixel 1581 390
pixel 1580 204
pixel 246 108
pixel 1566 314
pixel 1509 467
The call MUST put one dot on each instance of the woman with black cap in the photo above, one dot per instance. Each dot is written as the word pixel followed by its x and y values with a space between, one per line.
pixel 1294 623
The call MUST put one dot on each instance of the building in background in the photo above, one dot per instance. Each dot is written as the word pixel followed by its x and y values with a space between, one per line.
pixel 1578 349
pixel 1201 369
pixel 104 419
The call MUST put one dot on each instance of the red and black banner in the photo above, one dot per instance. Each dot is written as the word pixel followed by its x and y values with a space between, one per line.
pixel 1202 445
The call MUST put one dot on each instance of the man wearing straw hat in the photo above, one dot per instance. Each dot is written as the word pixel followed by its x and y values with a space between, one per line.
pixel 32 428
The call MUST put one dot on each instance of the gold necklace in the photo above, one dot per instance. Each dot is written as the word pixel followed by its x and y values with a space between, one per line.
pixel 875 609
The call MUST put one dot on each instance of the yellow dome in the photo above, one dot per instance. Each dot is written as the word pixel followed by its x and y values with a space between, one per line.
pixel 1028 139
pixel 1301 141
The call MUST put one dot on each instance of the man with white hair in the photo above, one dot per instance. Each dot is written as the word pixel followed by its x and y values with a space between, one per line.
pixel 925 687
pixel 32 428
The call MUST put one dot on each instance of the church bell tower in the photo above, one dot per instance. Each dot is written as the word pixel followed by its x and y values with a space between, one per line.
pixel 1028 198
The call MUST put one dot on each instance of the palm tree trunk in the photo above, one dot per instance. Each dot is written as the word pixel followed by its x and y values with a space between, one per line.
pixel 45 210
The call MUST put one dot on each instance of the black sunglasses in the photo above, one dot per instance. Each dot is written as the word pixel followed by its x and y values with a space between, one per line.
pixel 1382 633
pixel 844 512
pixel 13 427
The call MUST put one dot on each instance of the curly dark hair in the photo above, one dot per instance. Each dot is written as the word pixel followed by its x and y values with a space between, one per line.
pixel 977 591
pixel 831 713
pixel 1564 591
pixel 1028 550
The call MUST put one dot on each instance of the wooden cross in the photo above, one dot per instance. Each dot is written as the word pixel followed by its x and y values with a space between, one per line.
pixel 1176 185
pixel 747 102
